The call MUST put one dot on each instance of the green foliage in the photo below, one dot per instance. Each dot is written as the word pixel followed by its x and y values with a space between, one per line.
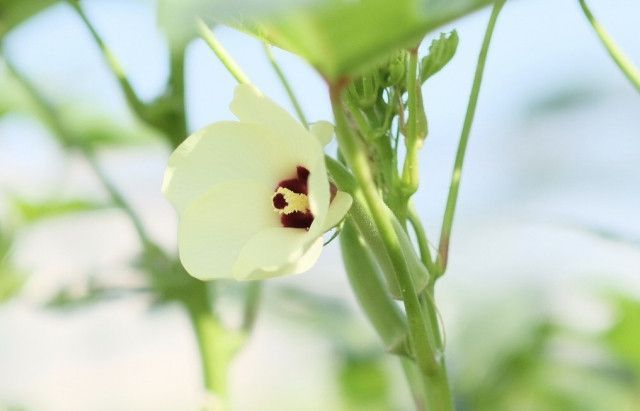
pixel 14 12
pixel 441 51
pixel 74 297
pixel 623 339
pixel 177 19
pixel 364 383
pixel 30 211
pixel 13 97
pixel 345 38
pixel 513 359
pixel 93 130
pixel 11 279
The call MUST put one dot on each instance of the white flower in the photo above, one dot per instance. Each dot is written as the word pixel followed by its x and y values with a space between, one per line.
pixel 253 195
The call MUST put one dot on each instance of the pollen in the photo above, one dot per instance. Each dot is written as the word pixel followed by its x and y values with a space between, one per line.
pixel 286 201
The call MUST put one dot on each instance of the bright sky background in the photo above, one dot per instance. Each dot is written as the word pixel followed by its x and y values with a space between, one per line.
pixel 530 174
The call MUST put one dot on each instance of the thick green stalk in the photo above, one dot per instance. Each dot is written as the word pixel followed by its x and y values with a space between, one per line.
pixel 618 56
pixel 428 358
pixel 452 199
pixel 217 346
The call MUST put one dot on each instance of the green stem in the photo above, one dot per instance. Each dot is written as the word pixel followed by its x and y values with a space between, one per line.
pixel 428 358
pixel 253 296
pixel 53 120
pixel 117 198
pixel 225 58
pixel 452 199
pixel 217 346
pixel 618 56
pixel 411 171
pixel 415 382
pixel 132 98
pixel 423 242
pixel 285 84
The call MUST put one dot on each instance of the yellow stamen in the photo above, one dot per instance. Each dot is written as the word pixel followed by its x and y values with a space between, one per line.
pixel 295 201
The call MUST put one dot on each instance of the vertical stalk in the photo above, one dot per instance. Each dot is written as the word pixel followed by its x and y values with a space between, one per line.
pixel 454 187
pixel 283 80
pixel 216 346
pixel 428 358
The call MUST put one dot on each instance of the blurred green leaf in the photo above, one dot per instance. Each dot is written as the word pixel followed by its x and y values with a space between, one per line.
pixel 344 37
pixel 441 51
pixel 364 383
pixel 92 130
pixel 11 279
pixel 177 19
pixel 563 98
pixel 623 339
pixel 31 211
pixel 13 97
pixel 14 12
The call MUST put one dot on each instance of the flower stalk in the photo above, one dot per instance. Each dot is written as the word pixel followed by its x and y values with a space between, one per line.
pixel 624 63
pixel 429 359
pixel 456 175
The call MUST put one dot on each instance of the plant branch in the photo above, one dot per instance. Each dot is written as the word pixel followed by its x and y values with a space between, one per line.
pixel 225 58
pixel 423 242
pixel 618 56
pixel 452 199
pixel 285 84
pixel 53 120
pixel 131 96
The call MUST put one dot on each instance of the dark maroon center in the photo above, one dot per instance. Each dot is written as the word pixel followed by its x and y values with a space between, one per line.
pixel 297 184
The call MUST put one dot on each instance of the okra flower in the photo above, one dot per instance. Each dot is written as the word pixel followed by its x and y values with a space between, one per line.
pixel 253 196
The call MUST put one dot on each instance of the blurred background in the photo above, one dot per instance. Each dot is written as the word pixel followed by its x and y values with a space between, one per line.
pixel 542 298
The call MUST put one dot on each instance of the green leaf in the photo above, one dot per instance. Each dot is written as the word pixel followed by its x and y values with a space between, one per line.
pixel 177 19
pixel 624 336
pixel 34 211
pixel 14 12
pixel 91 129
pixel 13 97
pixel 441 52
pixel 365 383
pixel 11 279
pixel 345 37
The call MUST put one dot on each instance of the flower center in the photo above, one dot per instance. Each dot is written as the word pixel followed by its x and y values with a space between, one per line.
pixel 286 201
pixel 291 200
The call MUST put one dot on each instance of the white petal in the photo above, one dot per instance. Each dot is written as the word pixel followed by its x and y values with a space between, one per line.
pixel 309 258
pixel 323 130
pixel 319 196
pixel 251 106
pixel 226 151
pixel 337 209
pixel 272 252
pixel 214 229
